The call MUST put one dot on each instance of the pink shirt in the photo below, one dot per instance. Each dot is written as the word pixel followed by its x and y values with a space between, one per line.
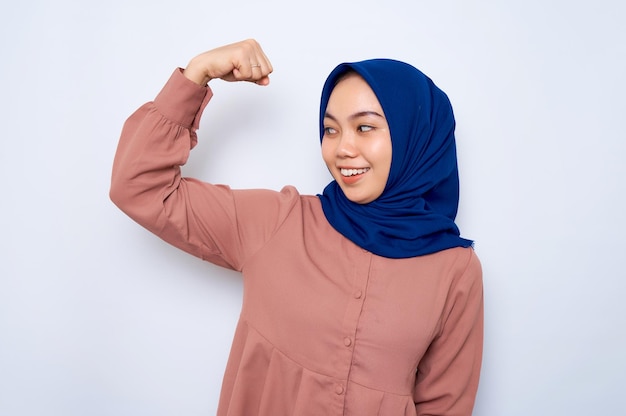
pixel 326 328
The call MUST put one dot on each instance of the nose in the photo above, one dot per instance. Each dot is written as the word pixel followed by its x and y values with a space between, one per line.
pixel 346 147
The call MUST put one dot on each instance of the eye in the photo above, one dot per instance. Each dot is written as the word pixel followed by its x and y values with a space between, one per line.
pixel 329 130
pixel 364 128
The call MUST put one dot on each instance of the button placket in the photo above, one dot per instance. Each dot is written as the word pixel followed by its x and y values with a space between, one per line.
pixel 355 299
pixel 355 306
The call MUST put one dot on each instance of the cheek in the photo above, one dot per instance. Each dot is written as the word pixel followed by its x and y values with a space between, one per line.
pixel 327 153
pixel 381 150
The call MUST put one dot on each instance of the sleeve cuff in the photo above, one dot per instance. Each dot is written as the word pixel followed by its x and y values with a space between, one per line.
pixel 182 100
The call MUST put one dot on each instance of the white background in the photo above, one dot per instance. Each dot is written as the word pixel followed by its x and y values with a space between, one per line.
pixel 99 317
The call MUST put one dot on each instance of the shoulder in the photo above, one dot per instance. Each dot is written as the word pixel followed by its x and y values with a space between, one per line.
pixel 287 197
pixel 266 204
pixel 450 264
pixel 459 260
pixel 465 267
pixel 466 277
pixel 457 271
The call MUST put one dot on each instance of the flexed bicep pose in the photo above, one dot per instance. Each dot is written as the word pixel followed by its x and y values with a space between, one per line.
pixel 362 300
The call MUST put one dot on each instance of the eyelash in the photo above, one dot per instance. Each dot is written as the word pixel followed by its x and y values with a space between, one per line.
pixel 363 128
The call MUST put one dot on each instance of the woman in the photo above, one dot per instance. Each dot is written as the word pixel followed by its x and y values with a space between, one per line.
pixel 361 301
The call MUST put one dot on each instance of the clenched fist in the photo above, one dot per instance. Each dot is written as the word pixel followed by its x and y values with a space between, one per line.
pixel 241 61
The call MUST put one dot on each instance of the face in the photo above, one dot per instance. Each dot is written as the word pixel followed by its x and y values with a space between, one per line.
pixel 356 145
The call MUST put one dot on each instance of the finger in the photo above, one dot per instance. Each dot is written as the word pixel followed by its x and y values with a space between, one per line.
pixel 262 63
pixel 263 81
pixel 263 74
pixel 259 63
pixel 253 72
pixel 265 62
pixel 246 72
pixel 257 72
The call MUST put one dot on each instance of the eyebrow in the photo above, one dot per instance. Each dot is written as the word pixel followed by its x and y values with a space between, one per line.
pixel 355 115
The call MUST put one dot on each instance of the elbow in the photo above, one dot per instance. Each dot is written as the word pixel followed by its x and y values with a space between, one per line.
pixel 137 202
pixel 116 190
pixel 129 204
pixel 119 194
pixel 115 195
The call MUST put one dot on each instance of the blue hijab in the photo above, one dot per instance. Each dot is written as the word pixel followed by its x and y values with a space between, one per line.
pixel 415 214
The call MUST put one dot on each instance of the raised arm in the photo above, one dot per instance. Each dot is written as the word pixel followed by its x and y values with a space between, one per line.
pixel 146 181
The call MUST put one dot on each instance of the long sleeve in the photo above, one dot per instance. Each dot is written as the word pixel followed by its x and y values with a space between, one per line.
pixel 209 221
pixel 448 374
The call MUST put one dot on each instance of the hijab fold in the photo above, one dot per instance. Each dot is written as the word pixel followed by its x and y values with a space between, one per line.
pixel 415 214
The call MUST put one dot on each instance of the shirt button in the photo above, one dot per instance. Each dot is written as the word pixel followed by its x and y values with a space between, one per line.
pixel 358 294
pixel 339 389
pixel 347 341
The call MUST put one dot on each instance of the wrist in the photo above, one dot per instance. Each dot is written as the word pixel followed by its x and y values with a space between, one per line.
pixel 196 75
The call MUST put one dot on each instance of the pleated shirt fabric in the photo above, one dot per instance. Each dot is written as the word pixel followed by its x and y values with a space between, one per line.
pixel 326 327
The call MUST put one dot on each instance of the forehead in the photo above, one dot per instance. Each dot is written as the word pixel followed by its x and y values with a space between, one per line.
pixel 351 90
pixel 350 80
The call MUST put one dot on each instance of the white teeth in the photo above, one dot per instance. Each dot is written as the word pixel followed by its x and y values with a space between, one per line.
pixel 352 172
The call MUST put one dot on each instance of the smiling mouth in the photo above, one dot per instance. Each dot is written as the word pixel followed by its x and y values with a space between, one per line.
pixel 353 172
